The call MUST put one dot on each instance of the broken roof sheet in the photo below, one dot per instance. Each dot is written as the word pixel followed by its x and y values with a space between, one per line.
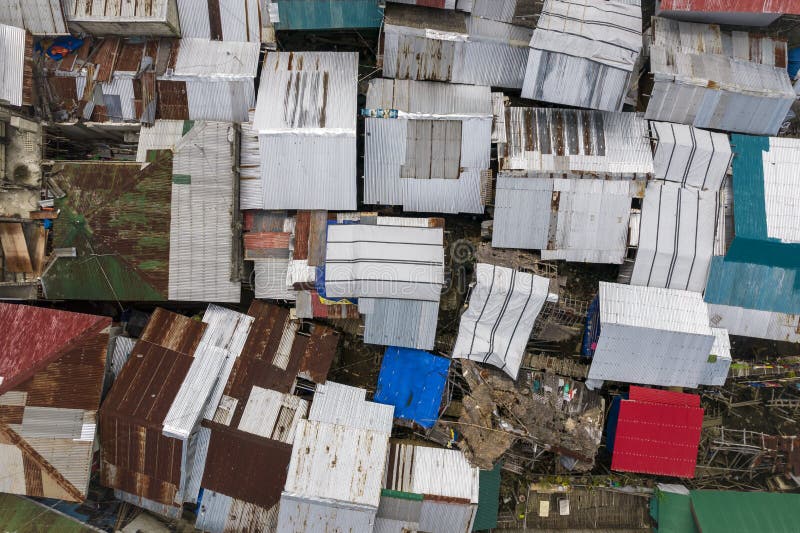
pixel 306 123
pixel 718 80
pixel 690 156
pixel 49 400
pixel 579 142
pixel 413 382
pixel 502 309
pixel 583 220
pixel 658 432
pixel 12 60
pixel 583 53
pixel 384 262
pixel 676 240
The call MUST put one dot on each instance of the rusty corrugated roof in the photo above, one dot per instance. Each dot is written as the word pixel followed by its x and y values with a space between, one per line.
pixel 245 466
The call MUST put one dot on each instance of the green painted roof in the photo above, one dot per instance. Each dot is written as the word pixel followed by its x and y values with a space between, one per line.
pixel 488 499
pixel 672 512
pixel 117 217
pixel 21 515
pixel 746 512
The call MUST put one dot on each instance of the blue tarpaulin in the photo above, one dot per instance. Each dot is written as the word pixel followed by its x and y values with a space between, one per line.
pixel 413 382
pixel 794 62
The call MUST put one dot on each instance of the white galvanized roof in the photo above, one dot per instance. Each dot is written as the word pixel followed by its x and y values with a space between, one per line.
pixel 431 471
pixel 503 306
pixel 272 415
pixel 270 279
pixel 691 156
pixel 384 262
pixel 201 220
pixel 782 189
pixel 306 121
pixel 339 404
pixel 297 515
pixel 202 58
pixel 39 17
pixel 583 53
pixel 755 323
pixel 578 142
pixel 428 98
pixel 239 20
pixel 116 10
pixel 12 61
pixel 676 239
pixel 221 343
pixel 403 323
pixel 653 308
pixel 726 81
pixel 162 135
pixel 583 220
pixel 335 462
pixel 443 171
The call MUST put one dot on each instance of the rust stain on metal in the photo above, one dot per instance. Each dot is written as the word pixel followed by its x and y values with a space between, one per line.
pixel 319 353
pixel 173 331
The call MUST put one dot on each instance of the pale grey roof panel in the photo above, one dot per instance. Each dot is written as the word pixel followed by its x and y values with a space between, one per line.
pixel 691 156
pixel 404 323
pixel 676 240
pixel 39 17
pixel 429 97
pixel 12 60
pixel 756 323
pixel 343 405
pixel 299 515
pixel 270 279
pixel 522 213
pixel 239 19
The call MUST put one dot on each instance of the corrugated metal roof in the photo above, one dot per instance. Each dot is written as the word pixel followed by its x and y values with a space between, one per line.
pixel 583 54
pixel 727 6
pixel 404 323
pixel 219 513
pixel 233 20
pixel 502 309
pixel 440 4
pixel 557 141
pixel 50 405
pixel 384 262
pixel 202 233
pixel 272 415
pixel 720 511
pixel 251 188
pixel 676 240
pixel 423 98
pixel 347 406
pixel 782 189
pixel 582 220
pixel 258 466
pixel 116 9
pixel 715 76
pixel 690 156
pixel 652 336
pixel 312 132
pixel 431 471
pixel 270 279
pixel 426 44
pixel 316 516
pixel 12 60
pixel 755 323
pixel 753 286
pixel 163 134
pixel 39 17
pixel 336 462
pixel 446 517
pixel 327 14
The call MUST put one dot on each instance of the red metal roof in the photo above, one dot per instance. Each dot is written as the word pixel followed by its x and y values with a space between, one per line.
pixel 658 432
pixel 733 6
pixel 32 337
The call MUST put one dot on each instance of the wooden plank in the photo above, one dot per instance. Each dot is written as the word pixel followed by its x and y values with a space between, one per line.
pixel 15 249
pixel 214 20
pixel 37 249
pixel 43 215
pixel 317 237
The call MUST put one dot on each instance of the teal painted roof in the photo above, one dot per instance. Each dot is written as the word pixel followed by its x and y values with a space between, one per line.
pixel 328 14
pixel 672 512
pixel 488 499
pixel 753 286
pixel 745 512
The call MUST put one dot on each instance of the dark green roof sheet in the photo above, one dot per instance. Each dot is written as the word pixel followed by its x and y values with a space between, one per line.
pixel 672 512
pixel 117 217
pixel 21 515
pixel 488 499
pixel 745 512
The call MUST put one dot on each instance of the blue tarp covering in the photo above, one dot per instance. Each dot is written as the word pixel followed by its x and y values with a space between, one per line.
pixel 794 62
pixel 413 382
pixel 591 329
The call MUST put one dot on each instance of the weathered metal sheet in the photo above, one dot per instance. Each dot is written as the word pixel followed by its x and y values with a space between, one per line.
pixel 230 20
pixel 435 472
pixel 39 17
pixel 715 76
pixel 652 336
pixel 298 515
pixel 173 332
pixel 12 60
pixel 404 323
pixel 690 156
pixel 272 415
pixel 327 14
pixel 582 54
pixel 118 17
pixel 219 513
pixel 346 406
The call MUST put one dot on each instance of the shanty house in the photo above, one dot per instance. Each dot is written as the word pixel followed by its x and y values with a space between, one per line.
pixel 244 454
pixel 584 53
pixel 51 376
pixel 38 18
pixel 567 180
pixel 730 12
pixel 306 124
pixel 337 465
pixel 719 80
pixel 753 289
pixel 656 336
pixel 503 307
pixel 427 489
pixel 423 43
pixel 157 18
pixel 12 62
pixel 149 428
pixel 427 146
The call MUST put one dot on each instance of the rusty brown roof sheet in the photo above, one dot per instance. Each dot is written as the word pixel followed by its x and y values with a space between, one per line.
pixel 319 353
pixel 173 331
pixel 245 466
